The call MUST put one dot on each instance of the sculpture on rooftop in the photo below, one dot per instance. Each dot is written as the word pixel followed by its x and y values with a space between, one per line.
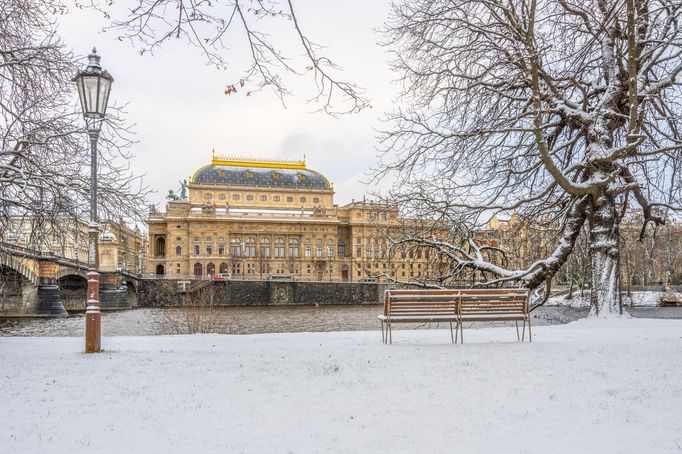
pixel 181 193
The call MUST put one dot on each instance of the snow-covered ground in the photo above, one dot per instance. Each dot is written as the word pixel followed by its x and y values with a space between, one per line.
pixel 590 386
pixel 635 299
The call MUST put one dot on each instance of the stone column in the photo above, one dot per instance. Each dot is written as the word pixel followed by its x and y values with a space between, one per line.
pixel 49 299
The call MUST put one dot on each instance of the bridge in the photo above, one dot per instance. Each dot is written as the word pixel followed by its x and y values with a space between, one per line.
pixel 34 282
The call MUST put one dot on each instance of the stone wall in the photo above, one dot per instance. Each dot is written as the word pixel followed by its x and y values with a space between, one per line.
pixel 17 294
pixel 164 292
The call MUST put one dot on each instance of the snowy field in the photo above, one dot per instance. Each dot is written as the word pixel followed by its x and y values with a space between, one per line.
pixel 591 386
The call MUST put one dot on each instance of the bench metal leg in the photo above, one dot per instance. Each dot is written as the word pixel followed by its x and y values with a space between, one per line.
pixel 383 336
pixel 456 331
pixel 461 333
pixel 452 337
pixel 390 333
pixel 530 334
pixel 518 338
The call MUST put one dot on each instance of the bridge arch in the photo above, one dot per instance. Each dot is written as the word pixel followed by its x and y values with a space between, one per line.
pixel 64 271
pixel 21 266
pixel 73 289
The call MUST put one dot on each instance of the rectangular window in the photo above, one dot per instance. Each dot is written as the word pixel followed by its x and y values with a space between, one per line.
pixel 290 199
pixel 316 200
pixel 221 196
pixel 209 249
pixel 249 198
pixel 358 252
pixel 263 198
pixel 235 196
pixel 196 249
pixel 275 198
pixel 303 199
pixel 221 249
pixel 319 251
pixel 308 250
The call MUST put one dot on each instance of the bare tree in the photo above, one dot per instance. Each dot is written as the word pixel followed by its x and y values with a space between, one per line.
pixel 563 110
pixel 44 152
pixel 263 28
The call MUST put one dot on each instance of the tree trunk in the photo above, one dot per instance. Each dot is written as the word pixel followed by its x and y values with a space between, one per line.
pixel 605 299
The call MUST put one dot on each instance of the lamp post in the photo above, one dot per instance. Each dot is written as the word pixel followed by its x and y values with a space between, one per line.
pixel 94 85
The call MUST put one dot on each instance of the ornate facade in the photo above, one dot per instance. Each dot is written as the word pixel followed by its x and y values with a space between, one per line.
pixel 68 237
pixel 255 219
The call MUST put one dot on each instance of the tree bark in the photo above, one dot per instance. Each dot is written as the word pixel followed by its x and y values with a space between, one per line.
pixel 605 299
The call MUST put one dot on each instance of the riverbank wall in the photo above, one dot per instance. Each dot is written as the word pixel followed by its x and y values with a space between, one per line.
pixel 169 292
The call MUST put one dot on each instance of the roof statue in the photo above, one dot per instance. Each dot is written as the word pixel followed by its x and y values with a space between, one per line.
pixel 183 189
pixel 181 193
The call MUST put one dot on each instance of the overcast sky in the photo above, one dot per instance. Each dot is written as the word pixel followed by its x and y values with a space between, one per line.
pixel 181 113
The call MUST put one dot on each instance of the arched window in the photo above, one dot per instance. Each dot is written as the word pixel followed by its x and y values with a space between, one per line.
pixel 265 247
pixel 235 247
pixel 210 269
pixel 250 247
pixel 279 247
pixel 161 247
pixel 198 269
pixel 342 248
pixel 344 272
pixel 223 268
pixel 160 270
pixel 178 250
pixel 293 248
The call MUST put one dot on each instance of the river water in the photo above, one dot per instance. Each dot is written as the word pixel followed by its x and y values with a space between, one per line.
pixel 267 319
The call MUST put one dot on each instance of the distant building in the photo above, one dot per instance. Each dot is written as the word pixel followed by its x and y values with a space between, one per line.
pixel 68 237
pixel 523 240
pixel 256 218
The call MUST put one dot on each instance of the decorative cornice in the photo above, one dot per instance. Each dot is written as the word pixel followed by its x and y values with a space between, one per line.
pixel 256 162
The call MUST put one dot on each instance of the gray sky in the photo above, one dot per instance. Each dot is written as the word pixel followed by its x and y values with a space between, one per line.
pixel 181 113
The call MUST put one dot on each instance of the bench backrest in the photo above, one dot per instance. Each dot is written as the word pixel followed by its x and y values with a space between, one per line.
pixel 446 301
pixel 420 302
pixel 493 301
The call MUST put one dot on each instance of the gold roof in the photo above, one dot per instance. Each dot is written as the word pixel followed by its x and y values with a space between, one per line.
pixel 257 162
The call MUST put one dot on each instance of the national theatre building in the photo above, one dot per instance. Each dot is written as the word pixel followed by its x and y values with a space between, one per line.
pixel 256 218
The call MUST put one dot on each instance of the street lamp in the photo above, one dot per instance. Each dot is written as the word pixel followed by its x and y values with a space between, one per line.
pixel 94 85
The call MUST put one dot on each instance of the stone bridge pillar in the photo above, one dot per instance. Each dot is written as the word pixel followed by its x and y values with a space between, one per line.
pixel 49 299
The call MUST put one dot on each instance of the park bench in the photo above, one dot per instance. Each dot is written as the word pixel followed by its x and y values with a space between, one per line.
pixel 418 306
pixel 494 305
pixel 456 306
